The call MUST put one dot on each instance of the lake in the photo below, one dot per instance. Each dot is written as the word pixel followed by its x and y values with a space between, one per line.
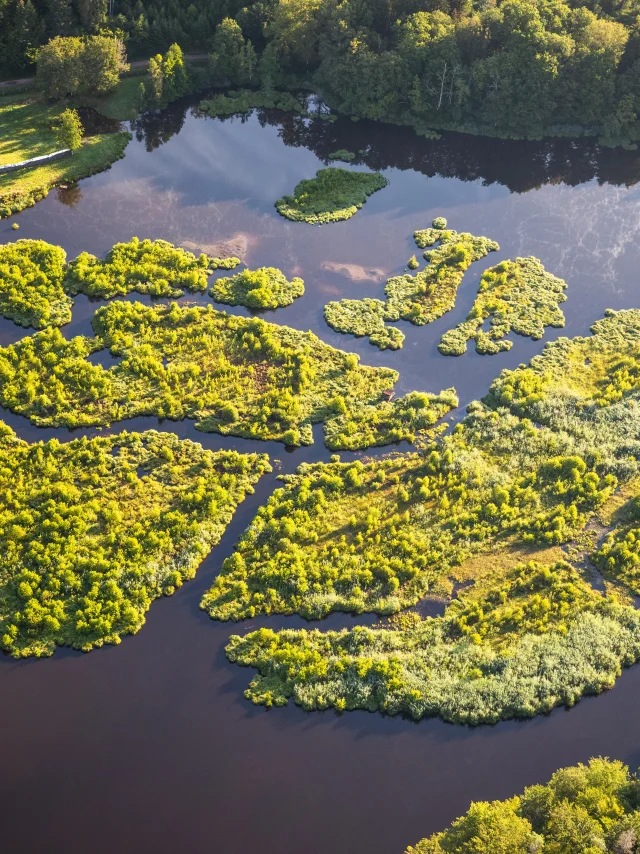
pixel 150 746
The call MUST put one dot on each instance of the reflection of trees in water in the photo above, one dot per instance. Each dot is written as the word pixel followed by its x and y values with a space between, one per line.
pixel 157 127
pixel 520 165
pixel 69 196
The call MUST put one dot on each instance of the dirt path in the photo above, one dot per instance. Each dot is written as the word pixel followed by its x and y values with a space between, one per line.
pixel 139 63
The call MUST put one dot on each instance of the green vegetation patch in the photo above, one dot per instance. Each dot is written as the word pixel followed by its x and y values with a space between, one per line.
pixel 381 535
pixel 244 100
pixel 31 292
pixel 26 132
pixel 618 556
pixel 364 317
pixel 342 154
pixel 233 375
pixel 518 296
pixel 583 809
pixel 147 266
pixel 419 298
pixel 263 288
pixel 92 531
pixel 333 195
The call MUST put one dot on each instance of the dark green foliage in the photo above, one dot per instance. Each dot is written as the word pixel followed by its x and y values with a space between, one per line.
pixel 518 296
pixel 147 266
pixel 92 531
pixel 182 361
pixel 246 99
pixel 333 195
pixel 342 154
pixel 584 809
pixel 168 79
pixel 263 288
pixel 31 292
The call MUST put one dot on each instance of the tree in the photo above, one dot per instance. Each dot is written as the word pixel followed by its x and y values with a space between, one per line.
pixel 103 61
pixel 233 60
pixel 67 66
pixel 69 130
pixel 93 13
pixel 169 78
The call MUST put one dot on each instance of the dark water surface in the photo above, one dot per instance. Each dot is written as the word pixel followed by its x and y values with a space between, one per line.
pixel 150 746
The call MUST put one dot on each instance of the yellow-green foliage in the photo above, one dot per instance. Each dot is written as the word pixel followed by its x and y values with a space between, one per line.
pixel 333 195
pixel 430 293
pixel 234 375
pixel 618 557
pixel 583 809
pixel 518 296
pixel 263 288
pixel 404 418
pixel 419 298
pixel 147 266
pixel 522 640
pixel 91 531
pixel 364 317
pixel 31 293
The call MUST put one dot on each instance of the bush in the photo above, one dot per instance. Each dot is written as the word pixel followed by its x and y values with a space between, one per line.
pixel 333 195
pixel 263 288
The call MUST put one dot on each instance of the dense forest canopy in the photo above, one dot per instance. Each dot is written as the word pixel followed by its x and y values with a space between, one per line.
pixel 509 67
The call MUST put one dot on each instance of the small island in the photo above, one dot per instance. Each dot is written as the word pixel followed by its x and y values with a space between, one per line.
pixel 31 284
pixel 333 195
pixel 257 289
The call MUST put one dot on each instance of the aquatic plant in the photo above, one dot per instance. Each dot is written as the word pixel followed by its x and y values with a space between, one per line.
pixel 380 536
pixel 93 530
pixel 413 263
pixel 518 296
pixel 333 195
pixel 342 154
pixel 244 100
pixel 583 809
pixel 266 287
pixel 364 317
pixel 233 375
pixel 153 267
pixel 31 293
pixel 419 298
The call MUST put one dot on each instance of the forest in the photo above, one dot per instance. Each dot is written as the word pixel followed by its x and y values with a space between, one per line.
pixel 506 67
pixel 493 503
pixel 93 530
pixel 583 809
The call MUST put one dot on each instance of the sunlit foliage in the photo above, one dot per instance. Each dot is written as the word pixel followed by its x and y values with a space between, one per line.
pixel 583 809
pixel 263 288
pixel 515 296
pixel 333 195
pixel 364 317
pixel 233 375
pixel 91 531
pixel 31 292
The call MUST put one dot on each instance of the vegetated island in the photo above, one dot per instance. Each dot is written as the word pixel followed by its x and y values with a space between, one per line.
pixel 583 809
pixel 93 530
pixel 36 282
pixel 233 375
pixel 420 298
pixel 333 195
pixel 492 502
pixel 519 296
pixel 245 100
pixel 266 287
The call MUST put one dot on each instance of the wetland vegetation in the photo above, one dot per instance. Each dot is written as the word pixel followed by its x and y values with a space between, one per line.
pixel 583 809
pixel 333 195
pixel 93 530
pixel 263 288
pixel 491 502
pixel 31 284
pixel 514 296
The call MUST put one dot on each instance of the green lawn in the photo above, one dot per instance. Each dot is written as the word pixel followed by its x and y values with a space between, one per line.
pixel 25 132
pixel 124 103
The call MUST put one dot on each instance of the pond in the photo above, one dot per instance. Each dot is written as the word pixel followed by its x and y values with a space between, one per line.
pixel 150 745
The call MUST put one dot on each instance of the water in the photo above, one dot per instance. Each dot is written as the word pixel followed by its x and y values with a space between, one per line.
pixel 150 746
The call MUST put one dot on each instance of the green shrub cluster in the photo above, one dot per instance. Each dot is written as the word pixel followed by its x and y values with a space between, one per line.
pixel 92 531
pixel 518 296
pixel 333 195
pixel 419 298
pixel 147 266
pixel 618 556
pixel 583 809
pixel 263 288
pixel 31 291
pixel 363 317
pixel 244 100
pixel 234 375
pixel 381 535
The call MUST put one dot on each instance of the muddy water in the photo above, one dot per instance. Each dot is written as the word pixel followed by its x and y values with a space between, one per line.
pixel 150 746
